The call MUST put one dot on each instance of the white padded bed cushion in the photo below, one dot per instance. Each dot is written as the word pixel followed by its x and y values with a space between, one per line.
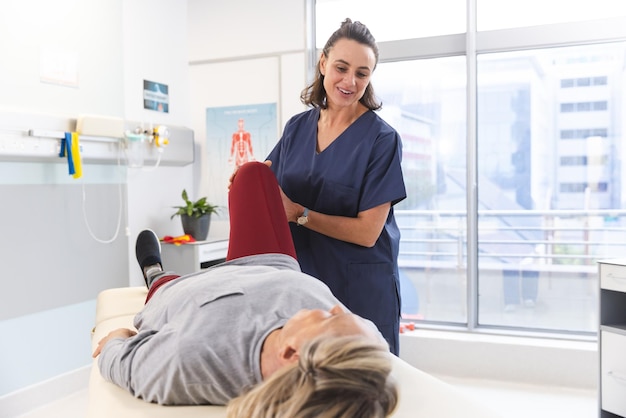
pixel 421 395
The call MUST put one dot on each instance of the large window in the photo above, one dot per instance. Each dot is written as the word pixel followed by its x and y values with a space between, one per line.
pixel 548 177
pixel 425 100
pixel 512 150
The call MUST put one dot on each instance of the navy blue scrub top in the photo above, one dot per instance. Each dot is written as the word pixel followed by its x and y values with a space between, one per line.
pixel 358 171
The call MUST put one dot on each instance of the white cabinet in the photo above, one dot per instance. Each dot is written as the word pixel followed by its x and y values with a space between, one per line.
pixel 612 338
pixel 194 256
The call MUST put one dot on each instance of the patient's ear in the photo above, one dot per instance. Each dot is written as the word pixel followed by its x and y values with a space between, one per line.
pixel 289 354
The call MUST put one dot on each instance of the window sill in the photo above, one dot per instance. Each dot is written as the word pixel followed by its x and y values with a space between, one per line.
pixel 537 361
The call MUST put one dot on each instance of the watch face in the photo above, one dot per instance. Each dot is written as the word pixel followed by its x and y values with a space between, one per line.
pixel 302 220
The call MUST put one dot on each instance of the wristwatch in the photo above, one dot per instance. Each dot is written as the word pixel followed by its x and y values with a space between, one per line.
pixel 304 218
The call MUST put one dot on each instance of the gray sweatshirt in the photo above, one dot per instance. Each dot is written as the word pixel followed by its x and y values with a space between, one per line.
pixel 199 338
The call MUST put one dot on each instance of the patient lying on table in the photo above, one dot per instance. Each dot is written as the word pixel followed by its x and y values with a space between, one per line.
pixel 254 329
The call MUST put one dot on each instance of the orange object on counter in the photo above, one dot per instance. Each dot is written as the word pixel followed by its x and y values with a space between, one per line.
pixel 179 240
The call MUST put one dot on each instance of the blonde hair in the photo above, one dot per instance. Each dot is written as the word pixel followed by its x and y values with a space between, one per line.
pixel 335 377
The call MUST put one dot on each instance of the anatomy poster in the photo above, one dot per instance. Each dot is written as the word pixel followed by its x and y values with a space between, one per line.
pixel 236 135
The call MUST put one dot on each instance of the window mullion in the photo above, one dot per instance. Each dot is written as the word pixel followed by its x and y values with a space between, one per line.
pixel 471 193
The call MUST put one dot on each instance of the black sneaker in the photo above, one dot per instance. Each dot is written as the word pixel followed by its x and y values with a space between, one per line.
pixel 148 251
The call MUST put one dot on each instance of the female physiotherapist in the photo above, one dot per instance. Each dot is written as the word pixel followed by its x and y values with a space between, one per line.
pixel 338 165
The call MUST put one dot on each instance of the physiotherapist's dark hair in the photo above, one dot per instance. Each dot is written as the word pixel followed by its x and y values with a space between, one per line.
pixel 315 94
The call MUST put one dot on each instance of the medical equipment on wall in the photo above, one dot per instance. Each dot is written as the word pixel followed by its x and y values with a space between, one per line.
pixel 86 142
pixel 35 137
pixel 134 147
pixel 139 141
pixel 102 129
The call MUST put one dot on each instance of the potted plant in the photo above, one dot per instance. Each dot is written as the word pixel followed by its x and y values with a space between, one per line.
pixel 195 216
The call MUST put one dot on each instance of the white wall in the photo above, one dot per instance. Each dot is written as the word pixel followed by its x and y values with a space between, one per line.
pixel 112 45
pixel 156 49
pixel 70 30
pixel 244 28
pixel 243 53
pixel 48 294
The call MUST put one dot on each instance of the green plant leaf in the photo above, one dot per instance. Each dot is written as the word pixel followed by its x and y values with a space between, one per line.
pixel 198 208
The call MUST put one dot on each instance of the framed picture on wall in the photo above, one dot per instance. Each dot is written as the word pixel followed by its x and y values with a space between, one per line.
pixel 156 96
pixel 236 135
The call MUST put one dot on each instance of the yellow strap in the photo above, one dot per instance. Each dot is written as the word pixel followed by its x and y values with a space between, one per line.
pixel 78 166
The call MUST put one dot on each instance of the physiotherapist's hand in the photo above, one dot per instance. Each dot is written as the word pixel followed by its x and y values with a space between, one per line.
pixel 232 176
pixel 117 333
pixel 292 210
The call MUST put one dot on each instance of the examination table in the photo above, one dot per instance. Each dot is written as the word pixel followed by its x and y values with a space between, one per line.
pixel 421 395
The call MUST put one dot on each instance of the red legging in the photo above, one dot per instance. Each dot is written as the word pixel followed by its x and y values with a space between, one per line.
pixel 258 224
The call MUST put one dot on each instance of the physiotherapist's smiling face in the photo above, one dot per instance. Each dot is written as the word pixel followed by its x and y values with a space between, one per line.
pixel 347 71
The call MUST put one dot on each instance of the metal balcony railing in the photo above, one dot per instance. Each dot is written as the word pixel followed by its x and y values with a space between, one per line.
pixel 551 240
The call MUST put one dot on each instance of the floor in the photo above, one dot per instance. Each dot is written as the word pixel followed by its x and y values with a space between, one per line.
pixel 74 406
pixel 511 400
